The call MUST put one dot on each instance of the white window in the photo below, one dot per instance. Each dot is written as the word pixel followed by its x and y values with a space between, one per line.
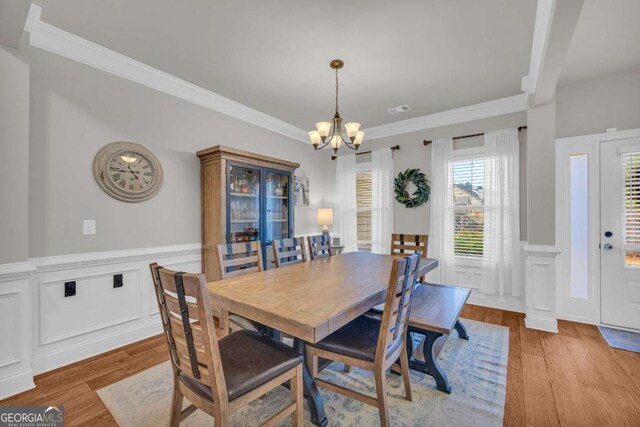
pixel 468 205
pixel 363 204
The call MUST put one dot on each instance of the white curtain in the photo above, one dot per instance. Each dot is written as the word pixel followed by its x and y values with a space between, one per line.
pixel 346 216
pixel 501 258
pixel 381 200
pixel 441 224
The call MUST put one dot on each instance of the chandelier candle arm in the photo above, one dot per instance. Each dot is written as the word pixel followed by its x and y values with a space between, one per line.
pixel 323 129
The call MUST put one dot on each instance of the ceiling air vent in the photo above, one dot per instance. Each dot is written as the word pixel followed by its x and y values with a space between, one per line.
pixel 400 109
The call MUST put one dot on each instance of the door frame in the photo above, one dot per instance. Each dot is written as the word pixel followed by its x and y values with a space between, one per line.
pixel 588 144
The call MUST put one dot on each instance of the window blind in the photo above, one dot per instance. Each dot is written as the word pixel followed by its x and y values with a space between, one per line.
pixel 468 207
pixel 631 199
pixel 363 203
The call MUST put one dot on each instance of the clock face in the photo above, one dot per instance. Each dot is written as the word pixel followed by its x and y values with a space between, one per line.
pixel 130 171
pixel 127 171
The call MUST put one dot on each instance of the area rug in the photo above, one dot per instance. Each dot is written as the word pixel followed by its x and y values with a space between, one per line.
pixel 624 340
pixel 477 372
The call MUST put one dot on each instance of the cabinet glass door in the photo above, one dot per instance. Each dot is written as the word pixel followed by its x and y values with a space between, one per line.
pixel 244 204
pixel 277 194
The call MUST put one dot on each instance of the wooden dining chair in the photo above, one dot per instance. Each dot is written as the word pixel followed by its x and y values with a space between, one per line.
pixel 237 259
pixel 374 344
pixel 320 246
pixel 289 251
pixel 219 376
pixel 409 244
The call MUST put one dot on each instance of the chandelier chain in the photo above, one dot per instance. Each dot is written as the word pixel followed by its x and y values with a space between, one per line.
pixel 336 90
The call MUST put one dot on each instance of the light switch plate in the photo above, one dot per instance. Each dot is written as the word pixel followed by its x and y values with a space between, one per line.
pixel 89 227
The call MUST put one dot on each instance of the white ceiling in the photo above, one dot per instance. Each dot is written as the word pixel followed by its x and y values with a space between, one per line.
pixel 273 55
pixel 606 41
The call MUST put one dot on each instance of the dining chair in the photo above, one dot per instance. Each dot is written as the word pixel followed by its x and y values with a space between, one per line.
pixel 237 259
pixel 289 251
pixel 219 376
pixel 320 246
pixel 409 243
pixel 374 344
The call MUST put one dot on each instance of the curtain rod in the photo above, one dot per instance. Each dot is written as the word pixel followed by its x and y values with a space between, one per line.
pixel 394 148
pixel 427 142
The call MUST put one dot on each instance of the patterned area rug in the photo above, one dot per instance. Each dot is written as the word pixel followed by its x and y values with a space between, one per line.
pixel 624 340
pixel 477 371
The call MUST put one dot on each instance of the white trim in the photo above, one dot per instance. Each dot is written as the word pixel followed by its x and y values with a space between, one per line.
pixel 91 259
pixel 16 270
pixel 77 352
pixel 602 137
pixel 541 31
pixel 541 323
pixel 502 302
pixel 16 383
pixel 497 107
pixel 542 250
pixel 63 43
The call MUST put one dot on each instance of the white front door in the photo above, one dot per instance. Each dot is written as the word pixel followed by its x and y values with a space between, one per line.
pixel 620 233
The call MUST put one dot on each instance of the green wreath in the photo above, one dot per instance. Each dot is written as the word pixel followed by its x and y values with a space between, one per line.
pixel 420 196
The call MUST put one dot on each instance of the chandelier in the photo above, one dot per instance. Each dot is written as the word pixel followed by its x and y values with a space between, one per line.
pixel 321 135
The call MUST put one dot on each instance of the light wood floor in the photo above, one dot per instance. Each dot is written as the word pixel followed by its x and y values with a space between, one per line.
pixel 570 378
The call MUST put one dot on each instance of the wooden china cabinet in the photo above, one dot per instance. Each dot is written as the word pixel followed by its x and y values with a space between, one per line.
pixel 245 197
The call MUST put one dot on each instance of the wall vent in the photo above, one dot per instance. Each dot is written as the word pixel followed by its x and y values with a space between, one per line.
pixel 400 109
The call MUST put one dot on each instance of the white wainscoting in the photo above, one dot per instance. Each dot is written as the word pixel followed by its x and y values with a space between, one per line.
pixel 540 285
pixel 41 329
pixel 16 374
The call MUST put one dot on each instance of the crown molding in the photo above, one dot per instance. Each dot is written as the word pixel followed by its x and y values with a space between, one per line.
pixel 541 32
pixel 68 45
pixel 497 107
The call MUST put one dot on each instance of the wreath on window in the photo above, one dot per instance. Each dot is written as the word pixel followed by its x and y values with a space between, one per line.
pixel 420 196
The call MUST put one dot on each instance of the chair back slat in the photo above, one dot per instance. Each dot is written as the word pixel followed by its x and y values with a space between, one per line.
pixel 185 309
pixel 239 258
pixel 409 244
pixel 320 246
pixel 397 306
pixel 289 251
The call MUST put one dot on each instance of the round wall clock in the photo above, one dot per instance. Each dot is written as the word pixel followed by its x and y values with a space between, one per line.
pixel 127 171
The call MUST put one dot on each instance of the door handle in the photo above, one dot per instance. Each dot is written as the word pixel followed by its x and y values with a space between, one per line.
pixel 608 247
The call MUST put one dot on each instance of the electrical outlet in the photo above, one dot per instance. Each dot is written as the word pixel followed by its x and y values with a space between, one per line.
pixel 118 282
pixel 69 289
pixel 89 227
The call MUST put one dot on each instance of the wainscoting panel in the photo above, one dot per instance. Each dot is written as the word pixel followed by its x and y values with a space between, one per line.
pixel 99 317
pixel 540 277
pixel 15 329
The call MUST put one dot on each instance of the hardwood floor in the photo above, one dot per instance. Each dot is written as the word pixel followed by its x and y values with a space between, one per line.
pixel 569 378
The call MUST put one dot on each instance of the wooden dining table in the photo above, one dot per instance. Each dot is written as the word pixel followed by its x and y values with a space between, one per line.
pixel 311 300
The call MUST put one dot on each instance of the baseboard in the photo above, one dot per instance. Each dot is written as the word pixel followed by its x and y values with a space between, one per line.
pixel 16 383
pixel 541 324
pixel 497 301
pixel 75 353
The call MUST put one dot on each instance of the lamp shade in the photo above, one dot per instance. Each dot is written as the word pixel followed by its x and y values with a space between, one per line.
pixel 325 216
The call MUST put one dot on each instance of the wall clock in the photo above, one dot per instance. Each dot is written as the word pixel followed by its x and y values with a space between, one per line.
pixel 127 171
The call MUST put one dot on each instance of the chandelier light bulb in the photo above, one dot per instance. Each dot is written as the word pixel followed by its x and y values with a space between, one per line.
pixel 358 139
pixel 323 129
pixel 335 142
pixel 314 136
pixel 352 130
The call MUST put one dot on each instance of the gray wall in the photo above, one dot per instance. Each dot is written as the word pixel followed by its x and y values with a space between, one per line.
pixel 593 106
pixel 413 154
pixel 541 122
pixel 75 110
pixel 14 152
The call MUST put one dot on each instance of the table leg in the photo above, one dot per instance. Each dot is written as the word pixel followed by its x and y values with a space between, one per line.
pixel 311 393
pixel 462 331
pixel 430 365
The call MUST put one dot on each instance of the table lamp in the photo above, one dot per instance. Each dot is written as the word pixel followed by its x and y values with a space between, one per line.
pixel 325 218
